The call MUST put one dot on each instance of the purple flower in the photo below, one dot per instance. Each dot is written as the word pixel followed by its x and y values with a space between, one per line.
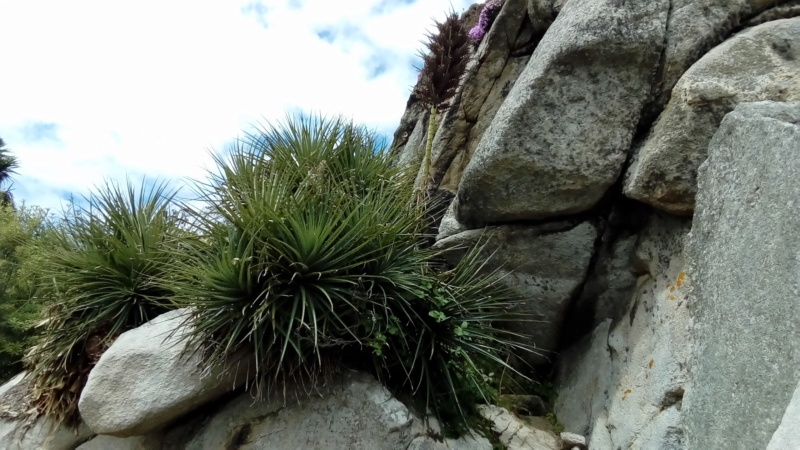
pixel 476 34
pixel 488 14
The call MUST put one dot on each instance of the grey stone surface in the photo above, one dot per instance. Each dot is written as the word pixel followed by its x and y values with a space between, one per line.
pixel 788 432
pixel 745 266
pixel 559 139
pixel 143 381
pixel 694 28
pixel 353 411
pixel 621 387
pixel 571 440
pixel 762 63
pixel 20 431
pixel 485 84
pixel 544 264
pixel 516 434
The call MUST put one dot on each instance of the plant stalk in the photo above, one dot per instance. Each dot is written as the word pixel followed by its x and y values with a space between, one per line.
pixel 426 161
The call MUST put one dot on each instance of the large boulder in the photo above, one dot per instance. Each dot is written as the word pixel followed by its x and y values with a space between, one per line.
pixel 744 250
pixel 146 379
pixel 21 431
pixel 695 27
pixel 561 136
pixel 348 411
pixel 545 265
pixel 762 63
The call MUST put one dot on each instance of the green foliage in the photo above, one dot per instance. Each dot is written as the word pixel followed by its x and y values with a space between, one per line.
pixel 24 234
pixel 312 255
pixel 101 278
pixel 557 426
pixel 7 165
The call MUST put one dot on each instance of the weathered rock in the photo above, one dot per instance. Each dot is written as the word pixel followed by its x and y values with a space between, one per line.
pixel 560 138
pixel 745 266
pixel 19 431
pixel 472 134
pixel 788 433
pixel 607 292
pixel 486 82
pixel 354 411
pixel 516 434
pixel 762 63
pixel 783 11
pixel 143 381
pixel 694 28
pixel 545 264
pixel 622 386
pixel 572 440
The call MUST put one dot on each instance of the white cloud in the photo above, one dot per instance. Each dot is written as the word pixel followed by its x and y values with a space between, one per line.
pixel 150 87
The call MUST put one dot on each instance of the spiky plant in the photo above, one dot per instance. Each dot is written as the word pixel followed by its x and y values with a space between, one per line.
pixel 451 352
pixel 100 278
pixel 310 225
pixel 312 257
pixel 7 165
pixel 443 65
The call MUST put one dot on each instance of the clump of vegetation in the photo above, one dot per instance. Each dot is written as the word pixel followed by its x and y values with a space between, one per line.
pixel 7 165
pixel 25 233
pixel 312 257
pixel 101 277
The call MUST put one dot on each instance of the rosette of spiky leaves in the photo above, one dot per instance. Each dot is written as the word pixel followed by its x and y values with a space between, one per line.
pixel 101 278
pixel 311 225
pixel 8 163
pixel 452 351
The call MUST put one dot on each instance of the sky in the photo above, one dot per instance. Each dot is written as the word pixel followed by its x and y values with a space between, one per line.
pixel 107 90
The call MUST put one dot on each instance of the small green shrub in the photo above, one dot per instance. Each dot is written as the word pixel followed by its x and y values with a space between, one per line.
pixel 24 234
pixel 101 278
pixel 310 255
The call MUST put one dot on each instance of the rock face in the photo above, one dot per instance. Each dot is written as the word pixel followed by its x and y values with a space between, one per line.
pixel 350 411
pixel 487 81
pixel 549 264
pixel 142 382
pixel 662 331
pixel 762 63
pixel 745 258
pixel 622 386
pixel 694 28
pixel 18 431
pixel 560 138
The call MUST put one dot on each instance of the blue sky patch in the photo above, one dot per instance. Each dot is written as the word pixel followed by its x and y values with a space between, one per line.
pixel 257 10
pixel 40 132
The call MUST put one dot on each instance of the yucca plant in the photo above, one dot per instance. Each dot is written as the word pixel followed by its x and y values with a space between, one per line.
pixel 311 224
pixel 310 256
pixel 101 278
pixel 451 353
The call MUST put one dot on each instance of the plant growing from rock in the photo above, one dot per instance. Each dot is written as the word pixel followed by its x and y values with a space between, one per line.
pixel 100 278
pixel 313 258
pixel 443 65
pixel 489 12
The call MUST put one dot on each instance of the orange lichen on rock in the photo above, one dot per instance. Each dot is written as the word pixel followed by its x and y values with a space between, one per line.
pixel 681 276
